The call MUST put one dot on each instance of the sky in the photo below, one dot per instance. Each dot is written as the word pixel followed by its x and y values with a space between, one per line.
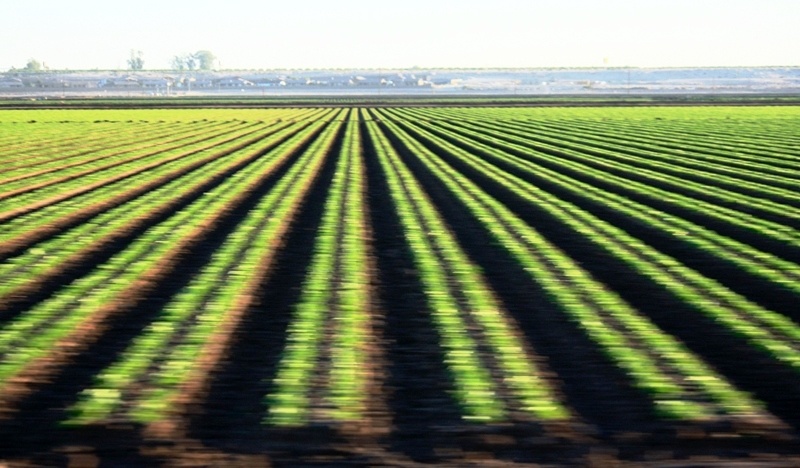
pixel 99 34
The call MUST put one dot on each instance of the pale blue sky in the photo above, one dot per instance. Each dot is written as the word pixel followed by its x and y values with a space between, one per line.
pixel 87 34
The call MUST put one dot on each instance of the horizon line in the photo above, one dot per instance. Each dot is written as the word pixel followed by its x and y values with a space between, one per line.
pixel 412 68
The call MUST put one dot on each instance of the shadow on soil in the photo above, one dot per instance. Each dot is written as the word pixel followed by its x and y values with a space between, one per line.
pixel 592 385
pixel 232 415
pixel 775 247
pixel 103 253
pixel 47 405
pixel 767 380
pixel 418 383
pixel 769 294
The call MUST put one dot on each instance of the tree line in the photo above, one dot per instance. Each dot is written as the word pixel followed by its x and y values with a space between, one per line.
pixel 200 60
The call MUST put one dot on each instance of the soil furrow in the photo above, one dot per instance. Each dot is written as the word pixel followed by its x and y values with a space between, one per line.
pixel 133 144
pixel 235 398
pixel 74 218
pixel 96 326
pixel 702 335
pixel 70 194
pixel 417 385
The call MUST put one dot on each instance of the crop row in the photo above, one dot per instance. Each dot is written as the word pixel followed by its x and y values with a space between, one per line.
pixel 29 270
pixel 23 163
pixel 458 295
pixel 763 138
pixel 71 319
pixel 680 385
pixel 333 314
pixel 51 218
pixel 168 361
pixel 673 201
pixel 741 255
pixel 690 153
pixel 757 174
pixel 767 330
pixel 714 188
pixel 750 181
pixel 167 244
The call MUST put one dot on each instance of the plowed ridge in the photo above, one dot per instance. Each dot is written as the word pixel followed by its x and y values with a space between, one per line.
pixel 566 283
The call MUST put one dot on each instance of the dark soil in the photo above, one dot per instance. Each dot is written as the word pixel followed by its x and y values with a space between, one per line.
pixel 614 423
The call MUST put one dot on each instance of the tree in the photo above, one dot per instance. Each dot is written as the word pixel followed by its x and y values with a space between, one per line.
pixel 136 60
pixel 191 62
pixel 184 62
pixel 33 66
pixel 200 60
pixel 205 59
pixel 178 63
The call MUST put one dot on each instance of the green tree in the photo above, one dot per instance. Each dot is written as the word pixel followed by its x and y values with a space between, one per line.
pixel 184 62
pixel 136 60
pixel 205 59
pixel 33 66
pixel 200 60
pixel 178 63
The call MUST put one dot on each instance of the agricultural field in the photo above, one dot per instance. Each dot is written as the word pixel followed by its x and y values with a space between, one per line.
pixel 390 285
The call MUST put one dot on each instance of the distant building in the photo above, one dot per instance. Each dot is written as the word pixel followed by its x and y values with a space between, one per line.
pixel 78 83
pixel 11 83
pixel 156 83
pixel 235 83
pixel 124 82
